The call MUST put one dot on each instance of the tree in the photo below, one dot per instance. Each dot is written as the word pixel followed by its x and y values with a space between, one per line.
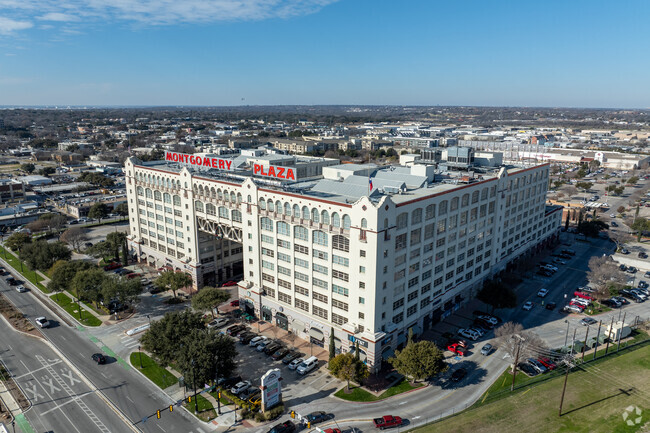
pixel 558 183
pixel 54 221
pixel 603 273
pixel 63 272
pixel 123 289
pixel 96 179
pixel 419 361
pixel 100 249
pixel 164 336
pixel 75 237
pixel 16 241
pixel 87 284
pixel 209 297
pixel 632 181
pixel 619 190
pixel 28 167
pixel 592 228
pixel 332 348
pixel 620 209
pixel 46 171
pixel 42 255
pixel 581 173
pixel 512 338
pixel 346 367
pixel 98 211
pixel 640 225
pixel 497 295
pixel 117 240
pixel 570 190
pixel 122 209
pixel 620 238
pixel 585 186
pixel 170 280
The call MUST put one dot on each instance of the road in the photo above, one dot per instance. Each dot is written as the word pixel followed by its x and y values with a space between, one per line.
pixel 132 394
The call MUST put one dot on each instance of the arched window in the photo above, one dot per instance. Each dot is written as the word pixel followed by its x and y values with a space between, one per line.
pixel 263 204
pixel 201 191
pixel 320 238
pixel 454 204
pixel 233 197
pixel 484 192
pixel 249 199
pixel 278 206
pixel 314 215
pixel 270 206
pixel 283 228
pixel 305 212
pixel 364 223
pixel 157 195
pixel 402 220
pixel 226 196
pixel 198 205
pixel 210 209
pixel 336 220
pixel 236 215
pixel 416 216
pixel 219 194
pixel 287 209
pixel 148 193
pixel 301 233
pixel 140 190
pixel 465 201
pixel 325 217
pixel 177 200
pixel 442 209
pixel 238 197
pixel 296 211
pixel 430 211
pixel 475 197
pixel 167 198
pixel 346 222
pixel 213 193
pixel 341 243
pixel 223 212
pixel 266 224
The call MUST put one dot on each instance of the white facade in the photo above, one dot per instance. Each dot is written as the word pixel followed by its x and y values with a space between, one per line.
pixel 370 269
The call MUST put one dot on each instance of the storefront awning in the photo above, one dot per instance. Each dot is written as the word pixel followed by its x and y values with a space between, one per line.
pixel 316 334
pixel 337 343
pixel 298 325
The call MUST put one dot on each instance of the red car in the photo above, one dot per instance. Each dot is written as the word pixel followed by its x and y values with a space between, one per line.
pixel 547 363
pixel 234 303
pixel 457 349
pixel 387 421
pixel 332 430
pixel 131 276
pixel 112 266
pixel 229 284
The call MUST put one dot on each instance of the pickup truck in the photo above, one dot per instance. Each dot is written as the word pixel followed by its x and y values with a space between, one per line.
pixel 457 349
pixel 387 421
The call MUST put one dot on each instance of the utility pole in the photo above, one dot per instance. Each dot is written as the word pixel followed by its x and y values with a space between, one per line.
pixel 584 349
pixel 566 336
pixel 514 369
pixel 618 346
pixel 566 378
pixel 609 334
pixel 600 323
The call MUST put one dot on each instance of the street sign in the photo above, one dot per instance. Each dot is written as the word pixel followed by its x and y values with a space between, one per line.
pixel 271 388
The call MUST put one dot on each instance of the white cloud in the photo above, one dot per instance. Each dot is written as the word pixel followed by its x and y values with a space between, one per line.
pixel 151 12
pixel 9 26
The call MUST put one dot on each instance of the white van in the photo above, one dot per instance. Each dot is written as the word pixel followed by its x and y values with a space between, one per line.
pixel 307 365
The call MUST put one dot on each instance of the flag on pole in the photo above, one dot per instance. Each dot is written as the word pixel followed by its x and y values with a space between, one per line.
pixel 370 184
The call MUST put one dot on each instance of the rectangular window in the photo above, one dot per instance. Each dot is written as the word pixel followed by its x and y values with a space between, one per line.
pixel 414 281
pixel 318 311
pixel 268 239
pixel 400 242
pixel 285 284
pixel 340 275
pixel 340 260
pixel 397 304
pixel 339 320
pixel 320 297
pixel 320 269
pixel 284 244
pixel 340 290
pixel 302 290
pixel 283 297
pixel 411 310
pixel 300 262
pixel 320 283
pixel 300 276
pixel 320 254
pixel 398 318
pixel 300 249
pixel 269 278
pixel 302 305
pixel 268 265
pixel 268 252
pixel 338 304
pixel 284 257
pixel 284 271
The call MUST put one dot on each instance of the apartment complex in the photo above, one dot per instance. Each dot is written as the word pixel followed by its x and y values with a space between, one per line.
pixel 363 251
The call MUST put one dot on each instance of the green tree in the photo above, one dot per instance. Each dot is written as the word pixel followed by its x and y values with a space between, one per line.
pixel 346 367
pixel 581 173
pixel 117 240
pixel 87 285
pixel 209 297
pixel 632 181
pixel 592 228
pixel 640 225
pixel 558 183
pixel 419 361
pixel 125 290
pixel 42 255
pixel 619 190
pixel 332 348
pixel 17 241
pixel 164 336
pixel 98 211
pixel 28 167
pixel 101 249
pixel 46 171
pixel 585 186
pixel 75 237
pixel 620 209
pixel 170 280
pixel 497 295
pixel 122 209
pixel 63 272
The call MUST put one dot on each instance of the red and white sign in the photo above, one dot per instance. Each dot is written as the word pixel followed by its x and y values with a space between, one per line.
pixel 199 161
pixel 284 173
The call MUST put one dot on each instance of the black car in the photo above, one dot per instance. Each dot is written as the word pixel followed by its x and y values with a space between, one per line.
pixel 235 329
pixel 588 321
pixel 551 306
pixel 271 348
pixel 285 427
pixel 280 353
pixel 246 337
pixel 316 417
pixel 229 382
pixel 642 255
pixel 622 267
pixel 458 375
pixel 613 224
pixel 293 354
pixel 527 368
pixel 99 358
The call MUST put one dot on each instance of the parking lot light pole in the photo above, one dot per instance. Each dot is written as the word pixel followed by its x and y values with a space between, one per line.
pixel 140 356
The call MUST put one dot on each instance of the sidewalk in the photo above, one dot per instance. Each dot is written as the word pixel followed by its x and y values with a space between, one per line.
pixel 8 402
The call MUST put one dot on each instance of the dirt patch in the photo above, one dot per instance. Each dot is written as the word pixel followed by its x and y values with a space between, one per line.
pixel 15 392
pixel 16 318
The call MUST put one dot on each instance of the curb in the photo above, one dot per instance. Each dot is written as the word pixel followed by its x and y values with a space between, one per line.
pixel 421 388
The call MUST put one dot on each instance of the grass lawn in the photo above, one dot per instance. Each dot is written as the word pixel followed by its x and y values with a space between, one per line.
pixel 66 303
pixel 595 400
pixel 152 370
pixel 359 394
pixel 206 410
pixel 27 273
pixel 597 308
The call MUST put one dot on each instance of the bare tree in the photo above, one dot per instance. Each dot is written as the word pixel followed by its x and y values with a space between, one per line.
pixel 604 273
pixel 512 337
pixel 570 190
pixel 621 238
pixel 75 237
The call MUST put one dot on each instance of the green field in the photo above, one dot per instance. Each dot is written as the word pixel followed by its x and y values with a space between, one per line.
pixel 66 303
pixel 206 410
pixel 359 394
pixel 154 372
pixel 597 396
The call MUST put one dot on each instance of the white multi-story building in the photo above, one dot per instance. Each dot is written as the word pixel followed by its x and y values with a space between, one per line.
pixel 366 252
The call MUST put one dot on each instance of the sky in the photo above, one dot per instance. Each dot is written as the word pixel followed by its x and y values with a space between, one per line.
pixel 568 53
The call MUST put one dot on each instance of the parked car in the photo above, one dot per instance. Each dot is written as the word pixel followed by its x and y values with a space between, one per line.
pixel 234 303
pixel 285 427
pixel 546 362
pixel 542 292
pixel 241 387
pixel 490 319
pixel 246 337
pixel 551 306
pixel 295 363
pixel 622 267
pixel 478 330
pixel 647 274
pixel 468 334
pixel 112 266
pixel 280 353
pixel 42 322
pixel 228 382
pixel 527 369
pixel 487 349
pixel 387 421
pixel 99 358
pixel 527 306
pixel 21 289
pixel 291 356
pixel 262 345
pixel 642 255
pixel 624 251
pixel 272 348
pixel 235 329
pixel 621 299
pixel 257 340
pixel 458 375
pixel 643 285
pixel 537 365
pixel 613 224
pixel 631 270
pixel 457 349
pixel 318 416
pixel 218 323
pixel 229 284
pixel 588 321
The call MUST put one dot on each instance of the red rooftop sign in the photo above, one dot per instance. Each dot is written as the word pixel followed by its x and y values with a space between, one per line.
pixel 284 173
pixel 199 161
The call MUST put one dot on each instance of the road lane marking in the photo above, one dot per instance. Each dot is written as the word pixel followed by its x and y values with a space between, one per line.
pixel 23 424
pixel 69 376
pixel 161 428
pixel 58 361
pixel 53 388
pixel 129 398
pixel 33 392
pixel 59 406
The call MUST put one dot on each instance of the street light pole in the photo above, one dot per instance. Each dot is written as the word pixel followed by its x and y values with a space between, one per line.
pixel 196 403
pixel 140 356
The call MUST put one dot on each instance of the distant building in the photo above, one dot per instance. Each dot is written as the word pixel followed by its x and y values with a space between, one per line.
pixel 11 189
pixel 35 180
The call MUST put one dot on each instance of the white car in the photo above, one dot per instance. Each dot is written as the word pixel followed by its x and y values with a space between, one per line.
pixel 542 293
pixel 42 322
pixel 218 323
pixel 468 334
pixel 612 215
pixel 528 306
pixel 240 387
pixel 560 261
pixel 490 319
pixel 478 331
pixel 21 289
pixel 552 268
pixel 262 345
pixel 257 340
pixel 295 363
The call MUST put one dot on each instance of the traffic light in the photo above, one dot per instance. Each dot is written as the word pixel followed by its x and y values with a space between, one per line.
pixel 171 408
pixel 219 394
pixel 308 424
pixel 189 399
pixel 158 414
pixel 293 414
